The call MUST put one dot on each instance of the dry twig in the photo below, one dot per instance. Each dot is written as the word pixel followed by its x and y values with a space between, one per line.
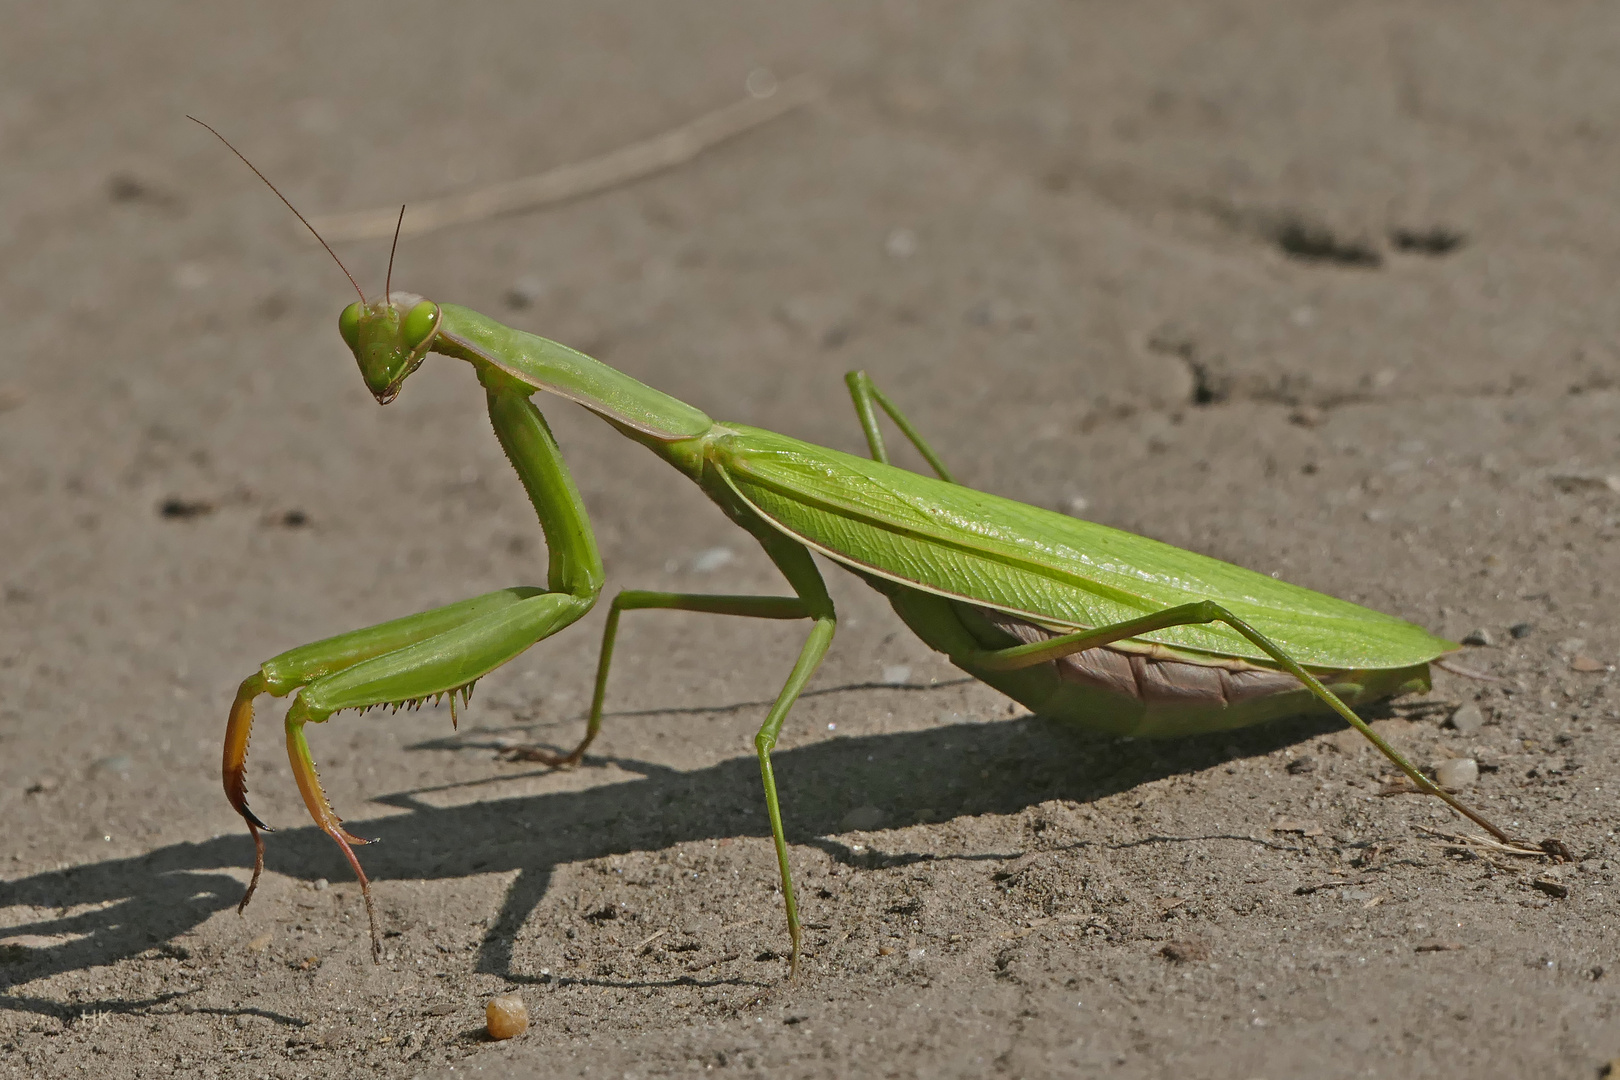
pixel 1469 840
pixel 674 147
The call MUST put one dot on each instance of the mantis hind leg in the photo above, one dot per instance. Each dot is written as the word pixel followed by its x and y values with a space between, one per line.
pixel 865 394
pixel 1020 656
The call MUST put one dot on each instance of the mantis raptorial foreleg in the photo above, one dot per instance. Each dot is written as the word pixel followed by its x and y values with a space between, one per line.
pixel 302 667
pixel 1022 656
pixel 438 652
pixel 865 393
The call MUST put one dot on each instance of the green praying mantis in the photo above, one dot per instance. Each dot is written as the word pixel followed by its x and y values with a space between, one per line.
pixel 1077 621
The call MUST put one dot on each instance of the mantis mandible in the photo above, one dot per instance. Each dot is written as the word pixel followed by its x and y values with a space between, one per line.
pixel 1077 621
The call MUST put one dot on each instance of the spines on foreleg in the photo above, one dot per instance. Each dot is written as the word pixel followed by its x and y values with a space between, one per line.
pixel 465 690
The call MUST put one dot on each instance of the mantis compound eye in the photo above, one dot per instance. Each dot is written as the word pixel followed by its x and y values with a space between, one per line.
pixel 420 323
pixel 349 324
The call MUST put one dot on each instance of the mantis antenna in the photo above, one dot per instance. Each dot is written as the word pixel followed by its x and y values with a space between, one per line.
pixel 294 209
pixel 388 282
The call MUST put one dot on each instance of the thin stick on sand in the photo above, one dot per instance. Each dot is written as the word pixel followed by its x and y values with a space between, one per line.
pixel 665 151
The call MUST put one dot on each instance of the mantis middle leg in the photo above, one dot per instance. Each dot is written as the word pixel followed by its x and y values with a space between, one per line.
pixel 865 393
pixel 437 652
pixel 753 607
pixel 811 602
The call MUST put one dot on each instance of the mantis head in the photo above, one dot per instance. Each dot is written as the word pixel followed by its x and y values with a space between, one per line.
pixel 387 344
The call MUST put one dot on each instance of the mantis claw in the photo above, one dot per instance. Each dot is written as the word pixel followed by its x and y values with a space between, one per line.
pixel 309 785
pixel 234 773
pixel 233 769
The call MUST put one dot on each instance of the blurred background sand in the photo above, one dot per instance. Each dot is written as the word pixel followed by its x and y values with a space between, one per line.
pixel 1325 290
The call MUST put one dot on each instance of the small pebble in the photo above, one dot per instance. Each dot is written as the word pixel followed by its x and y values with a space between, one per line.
pixel 712 559
pixel 1467 719
pixel 1582 662
pixel 1552 887
pixel 506 1017
pixel 1481 636
pixel 260 943
pixel 1519 631
pixel 896 674
pixel 1457 773
pixel 761 83
pixel 320 884
pixel 1305 763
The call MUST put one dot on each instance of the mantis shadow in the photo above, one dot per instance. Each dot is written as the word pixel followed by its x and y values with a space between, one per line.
pixel 119 908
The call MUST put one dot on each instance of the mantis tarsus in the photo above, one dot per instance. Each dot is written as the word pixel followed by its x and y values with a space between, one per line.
pixel 1075 620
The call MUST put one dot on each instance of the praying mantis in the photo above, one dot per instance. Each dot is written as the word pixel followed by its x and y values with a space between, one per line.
pixel 1079 622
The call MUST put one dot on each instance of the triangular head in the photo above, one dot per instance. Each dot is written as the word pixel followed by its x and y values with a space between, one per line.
pixel 389 346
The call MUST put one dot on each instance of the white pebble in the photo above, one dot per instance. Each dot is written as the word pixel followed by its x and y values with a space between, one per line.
pixel 1457 772
pixel 761 83
pixel 1467 719
pixel 712 559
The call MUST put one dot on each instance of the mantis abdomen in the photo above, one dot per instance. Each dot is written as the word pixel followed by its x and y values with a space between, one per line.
pixel 1150 691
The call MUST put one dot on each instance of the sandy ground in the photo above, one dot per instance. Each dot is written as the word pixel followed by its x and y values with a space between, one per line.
pixel 1326 290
